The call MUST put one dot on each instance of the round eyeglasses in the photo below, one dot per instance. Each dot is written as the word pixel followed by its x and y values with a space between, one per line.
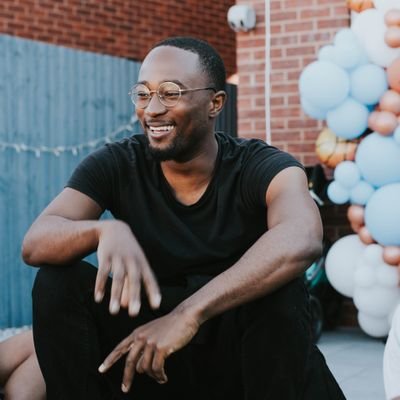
pixel 168 93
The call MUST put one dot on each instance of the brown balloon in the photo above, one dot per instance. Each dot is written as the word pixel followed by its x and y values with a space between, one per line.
pixel 359 5
pixel 393 74
pixel 391 255
pixel 390 101
pixel 355 214
pixel 385 123
pixel 331 150
pixel 392 17
pixel 392 37
pixel 365 236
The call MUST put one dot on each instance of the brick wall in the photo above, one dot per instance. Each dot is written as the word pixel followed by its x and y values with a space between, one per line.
pixel 124 28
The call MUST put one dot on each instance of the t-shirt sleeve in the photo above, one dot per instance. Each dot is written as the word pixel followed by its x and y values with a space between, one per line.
pixel 263 164
pixel 96 177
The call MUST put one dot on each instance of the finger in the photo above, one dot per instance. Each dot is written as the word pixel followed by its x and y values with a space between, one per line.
pixel 158 366
pixel 130 366
pixel 134 289
pixel 151 285
pixel 101 278
pixel 121 349
pixel 118 279
pixel 146 360
pixel 125 294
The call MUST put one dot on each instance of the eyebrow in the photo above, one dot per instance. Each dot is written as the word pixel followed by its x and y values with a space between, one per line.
pixel 178 82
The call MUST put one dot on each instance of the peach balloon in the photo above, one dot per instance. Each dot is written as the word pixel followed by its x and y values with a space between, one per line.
pixel 355 227
pixel 359 5
pixel 365 236
pixel 392 37
pixel 393 74
pixel 392 17
pixel 391 255
pixel 373 117
pixel 386 122
pixel 390 101
pixel 355 214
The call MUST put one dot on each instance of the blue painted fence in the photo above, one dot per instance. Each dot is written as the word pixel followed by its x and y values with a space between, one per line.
pixel 56 105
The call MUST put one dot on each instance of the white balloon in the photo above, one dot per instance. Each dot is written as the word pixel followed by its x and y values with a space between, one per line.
pixel 373 254
pixel 364 275
pixel 387 275
pixel 376 301
pixel 375 327
pixel 341 261
pixel 386 5
pixel 370 29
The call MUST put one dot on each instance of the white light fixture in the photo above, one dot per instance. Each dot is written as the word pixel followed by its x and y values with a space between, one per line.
pixel 241 18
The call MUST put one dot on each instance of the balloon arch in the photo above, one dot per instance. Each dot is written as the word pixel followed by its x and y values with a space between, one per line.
pixel 355 87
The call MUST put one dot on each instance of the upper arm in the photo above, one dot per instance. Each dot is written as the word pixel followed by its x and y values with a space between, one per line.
pixel 288 201
pixel 73 205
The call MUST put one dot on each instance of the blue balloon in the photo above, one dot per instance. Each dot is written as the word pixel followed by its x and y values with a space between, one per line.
pixel 361 193
pixel 368 83
pixel 347 174
pixel 349 120
pixel 337 193
pixel 382 215
pixel 312 111
pixel 348 55
pixel 396 134
pixel 326 53
pixel 324 84
pixel 344 36
pixel 378 158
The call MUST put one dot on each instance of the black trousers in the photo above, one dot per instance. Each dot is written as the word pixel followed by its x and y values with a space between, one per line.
pixel 258 351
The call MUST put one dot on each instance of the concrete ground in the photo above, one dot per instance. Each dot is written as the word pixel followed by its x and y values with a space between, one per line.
pixel 355 359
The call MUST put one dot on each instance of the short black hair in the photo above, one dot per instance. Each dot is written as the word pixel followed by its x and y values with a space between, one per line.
pixel 210 61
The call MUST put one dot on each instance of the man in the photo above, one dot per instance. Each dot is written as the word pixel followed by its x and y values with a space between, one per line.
pixel 216 230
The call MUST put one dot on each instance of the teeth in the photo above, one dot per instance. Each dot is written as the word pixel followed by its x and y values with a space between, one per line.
pixel 161 129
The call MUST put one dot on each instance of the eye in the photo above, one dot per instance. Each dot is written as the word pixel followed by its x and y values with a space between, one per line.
pixel 141 95
pixel 170 94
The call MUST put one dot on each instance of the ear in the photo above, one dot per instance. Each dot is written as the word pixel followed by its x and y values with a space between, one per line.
pixel 217 104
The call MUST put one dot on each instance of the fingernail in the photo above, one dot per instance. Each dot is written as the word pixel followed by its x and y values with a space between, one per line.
pixel 156 301
pixel 114 308
pixel 102 368
pixel 124 388
pixel 98 297
pixel 134 308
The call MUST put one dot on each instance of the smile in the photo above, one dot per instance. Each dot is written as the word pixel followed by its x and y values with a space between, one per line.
pixel 160 131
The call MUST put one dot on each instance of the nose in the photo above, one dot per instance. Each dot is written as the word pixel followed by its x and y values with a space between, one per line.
pixel 155 107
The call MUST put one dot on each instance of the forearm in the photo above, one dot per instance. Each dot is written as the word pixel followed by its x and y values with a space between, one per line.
pixel 58 240
pixel 279 256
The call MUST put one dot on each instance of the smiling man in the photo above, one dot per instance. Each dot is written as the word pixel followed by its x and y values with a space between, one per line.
pixel 198 292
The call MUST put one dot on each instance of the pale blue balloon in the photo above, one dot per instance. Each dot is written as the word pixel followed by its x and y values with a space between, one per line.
pixel 344 36
pixel 382 215
pixel 378 158
pixel 326 53
pixel 337 193
pixel 361 193
pixel 312 111
pixel 349 120
pixel 324 84
pixel 348 55
pixel 347 174
pixel 368 83
pixel 396 135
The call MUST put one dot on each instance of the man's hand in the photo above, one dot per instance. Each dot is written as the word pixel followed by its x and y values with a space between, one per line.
pixel 120 254
pixel 148 346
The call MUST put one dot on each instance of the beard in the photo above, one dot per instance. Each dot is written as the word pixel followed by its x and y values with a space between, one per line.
pixel 181 149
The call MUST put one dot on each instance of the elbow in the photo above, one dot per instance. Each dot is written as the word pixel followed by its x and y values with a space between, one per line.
pixel 28 252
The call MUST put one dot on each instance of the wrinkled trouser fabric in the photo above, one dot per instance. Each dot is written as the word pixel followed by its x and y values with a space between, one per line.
pixel 258 351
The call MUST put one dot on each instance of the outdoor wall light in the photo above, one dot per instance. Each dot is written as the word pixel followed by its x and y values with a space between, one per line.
pixel 241 18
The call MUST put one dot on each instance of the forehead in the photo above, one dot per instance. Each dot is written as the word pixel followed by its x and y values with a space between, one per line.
pixel 167 63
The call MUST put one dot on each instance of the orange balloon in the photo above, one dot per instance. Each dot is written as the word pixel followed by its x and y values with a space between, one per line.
pixel 392 17
pixel 393 74
pixel 355 214
pixel 331 150
pixel 365 236
pixel 386 122
pixel 390 101
pixel 391 255
pixel 392 37
pixel 359 5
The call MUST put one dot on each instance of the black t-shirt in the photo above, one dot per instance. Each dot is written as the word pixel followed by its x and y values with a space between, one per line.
pixel 201 239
